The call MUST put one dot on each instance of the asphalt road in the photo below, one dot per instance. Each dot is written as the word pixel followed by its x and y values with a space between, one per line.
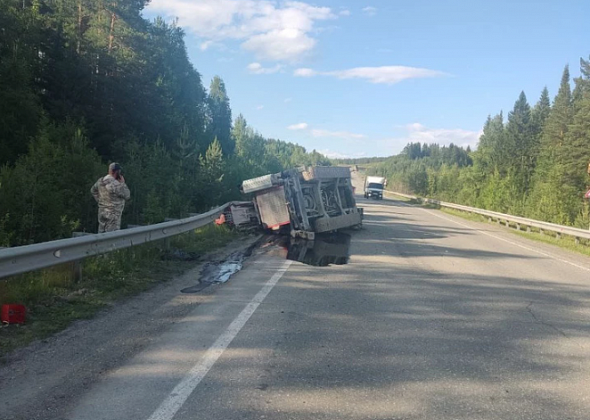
pixel 434 317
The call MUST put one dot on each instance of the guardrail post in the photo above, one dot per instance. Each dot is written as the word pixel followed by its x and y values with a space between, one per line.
pixel 167 245
pixel 577 241
pixel 77 265
pixel 528 229
pixel 558 235
pixel 541 231
pixel 518 226
pixel 77 271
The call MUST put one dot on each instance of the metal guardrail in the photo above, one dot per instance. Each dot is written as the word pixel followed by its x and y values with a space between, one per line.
pixel 507 218
pixel 22 259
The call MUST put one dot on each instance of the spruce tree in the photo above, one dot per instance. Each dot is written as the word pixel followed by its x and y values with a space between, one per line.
pixel 548 200
pixel 576 148
pixel 522 148
pixel 221 118
pixel 540 113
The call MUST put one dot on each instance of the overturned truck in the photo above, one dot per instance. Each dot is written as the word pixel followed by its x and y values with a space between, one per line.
pixel 306 201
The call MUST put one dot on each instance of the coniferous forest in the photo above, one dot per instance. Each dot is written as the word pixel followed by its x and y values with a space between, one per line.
pixel 88 82
pixel 534 162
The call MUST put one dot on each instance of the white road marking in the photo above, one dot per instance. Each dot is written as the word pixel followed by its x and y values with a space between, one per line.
pixel 175 400
pixel 510 242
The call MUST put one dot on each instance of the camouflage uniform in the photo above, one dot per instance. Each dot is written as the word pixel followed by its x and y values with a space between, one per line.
pixel 110 195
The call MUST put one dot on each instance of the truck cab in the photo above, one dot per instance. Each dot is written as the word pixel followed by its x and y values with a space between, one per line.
pixel 374 186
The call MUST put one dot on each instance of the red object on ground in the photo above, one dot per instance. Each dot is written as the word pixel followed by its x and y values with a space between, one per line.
pixel 13 314
pixel 221 220
pixel 587 195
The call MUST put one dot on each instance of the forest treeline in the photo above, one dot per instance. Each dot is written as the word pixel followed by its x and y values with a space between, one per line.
pixel 534 163
pixel 88 82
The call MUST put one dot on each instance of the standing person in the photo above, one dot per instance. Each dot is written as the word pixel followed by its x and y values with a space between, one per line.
pixel 110 192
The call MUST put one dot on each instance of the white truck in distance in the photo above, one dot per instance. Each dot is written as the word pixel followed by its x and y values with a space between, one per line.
pixel 374 187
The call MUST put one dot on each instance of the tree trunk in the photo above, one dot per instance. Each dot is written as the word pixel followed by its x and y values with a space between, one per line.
pixel 112 31
pixel 79 27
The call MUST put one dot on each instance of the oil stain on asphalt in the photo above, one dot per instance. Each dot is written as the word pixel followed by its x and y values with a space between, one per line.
pixel 325 250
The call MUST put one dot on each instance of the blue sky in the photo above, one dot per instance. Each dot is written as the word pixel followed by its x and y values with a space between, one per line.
pixel 361 78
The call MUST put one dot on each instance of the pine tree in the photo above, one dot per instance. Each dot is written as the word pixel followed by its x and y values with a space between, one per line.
pixel 540 113
pixel 576 149
pixel 560 116
pixel 213 170
pixel 239 134
pixel 20 105
pixel 221 118
pixel 549 199
pixel 521 147
pixel 489 155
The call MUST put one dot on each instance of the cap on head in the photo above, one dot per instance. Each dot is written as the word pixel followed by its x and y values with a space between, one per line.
pixel 115 167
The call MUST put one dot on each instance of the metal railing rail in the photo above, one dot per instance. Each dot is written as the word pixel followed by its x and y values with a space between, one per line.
pixel 26 258
pixel 507 218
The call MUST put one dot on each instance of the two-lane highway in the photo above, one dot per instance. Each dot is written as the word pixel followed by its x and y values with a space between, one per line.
pixel 434 317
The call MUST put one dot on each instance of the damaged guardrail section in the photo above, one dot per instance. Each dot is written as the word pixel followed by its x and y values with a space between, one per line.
pixel 507 219
pixel 27 258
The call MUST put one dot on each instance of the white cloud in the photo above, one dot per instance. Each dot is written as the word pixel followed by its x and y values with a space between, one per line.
pixel 257 68
pixel 272 30
pixel 298 127
pixel 287 100
pixel 260 107
pixel 370 11
pixel 345 13
pixel 336 134
pixel 383 75
pixel 280 45
pixel 305 73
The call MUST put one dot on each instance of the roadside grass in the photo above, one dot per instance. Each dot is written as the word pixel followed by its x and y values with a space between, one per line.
pixel 54 300
pixel 407 200
pixel 566 242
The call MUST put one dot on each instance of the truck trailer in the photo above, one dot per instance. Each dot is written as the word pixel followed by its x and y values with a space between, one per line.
pixel 305 201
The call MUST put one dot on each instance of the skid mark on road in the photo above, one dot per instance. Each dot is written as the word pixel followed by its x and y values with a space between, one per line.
pixel 581 267
pixel 179 395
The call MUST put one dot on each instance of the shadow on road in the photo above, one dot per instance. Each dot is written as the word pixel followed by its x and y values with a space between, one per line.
pixel 404 342
pixel 375 340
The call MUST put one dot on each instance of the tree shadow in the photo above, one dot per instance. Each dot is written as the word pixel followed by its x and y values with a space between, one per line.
pixel 409 344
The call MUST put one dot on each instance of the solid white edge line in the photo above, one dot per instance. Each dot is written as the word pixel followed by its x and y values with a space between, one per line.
pixel 176 399
pixel 510 242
